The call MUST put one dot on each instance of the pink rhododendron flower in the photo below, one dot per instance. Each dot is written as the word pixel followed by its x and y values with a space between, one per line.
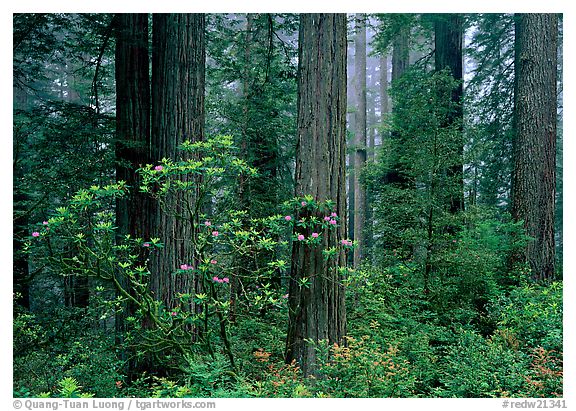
pixel 287 218
pixel 45 222
pixel 173 313
pixel 146 245
pixel 158 168
pixel 215 279
pixel 327 218
pixel 333 222
pixel 303 203
pixel 184 266
pixel 213 262
pixel 35 234
pixel 300 237
pixel 314 235
pixel 215 233
pixel 334 215
pixel 207 223
pixel 226 280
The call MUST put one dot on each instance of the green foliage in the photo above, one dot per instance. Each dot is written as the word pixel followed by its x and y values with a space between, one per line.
pixel 362 368
pixel 476 367
pixel 258 58
pixel 523 357
pixel 411 184
pixel 67 387
pixel 64 345
pixel 472 267
pixel 489 96
pixel 533 313
pixel 451 346
pixel 391 24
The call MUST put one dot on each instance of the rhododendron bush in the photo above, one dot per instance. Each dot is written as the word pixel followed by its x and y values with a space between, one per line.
pixel 80 239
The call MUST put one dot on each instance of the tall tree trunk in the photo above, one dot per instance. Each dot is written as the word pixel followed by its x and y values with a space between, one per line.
pixel 134 212
pixel 351 120
pixel 177 115
pixel 384 104
pixel 20 265
pixel 317 312
pixel 534 144
pixel 372 122
pixel 448 30
pixel 400 63
pixel 132 121
pixel 360 139
pixel 400 53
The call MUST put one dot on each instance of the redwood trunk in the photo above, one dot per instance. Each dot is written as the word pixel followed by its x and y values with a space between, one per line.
pixel 400 63
pixel 448 32
pixel 360 139
pixel 177 115
pixel 534 179
pixel 317 312
pixel 132 121
pixel 133 213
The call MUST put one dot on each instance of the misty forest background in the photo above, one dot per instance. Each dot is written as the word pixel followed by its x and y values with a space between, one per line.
pixel 281 205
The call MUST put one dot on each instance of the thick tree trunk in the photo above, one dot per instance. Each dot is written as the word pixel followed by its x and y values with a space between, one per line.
pixel 317 311
pixel 448 30
pixel 360 139
pixel 400 53
pixel 132 121
pixel 133 213
pixel 177 115
pixel 534 144
pixel 20 265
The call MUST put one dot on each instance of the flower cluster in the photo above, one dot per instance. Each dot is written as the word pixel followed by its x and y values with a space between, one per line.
pixel 36 234
pixel 186 267
pixel 220 280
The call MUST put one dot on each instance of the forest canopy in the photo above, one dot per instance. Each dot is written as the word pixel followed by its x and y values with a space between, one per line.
pixel 283 205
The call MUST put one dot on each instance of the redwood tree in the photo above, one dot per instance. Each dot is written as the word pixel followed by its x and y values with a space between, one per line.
pixel 178 63
pixel 360 138
pixel 132 121
pixel 534 144
pixel 448 32
pixel 133 213
pixel 317 311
